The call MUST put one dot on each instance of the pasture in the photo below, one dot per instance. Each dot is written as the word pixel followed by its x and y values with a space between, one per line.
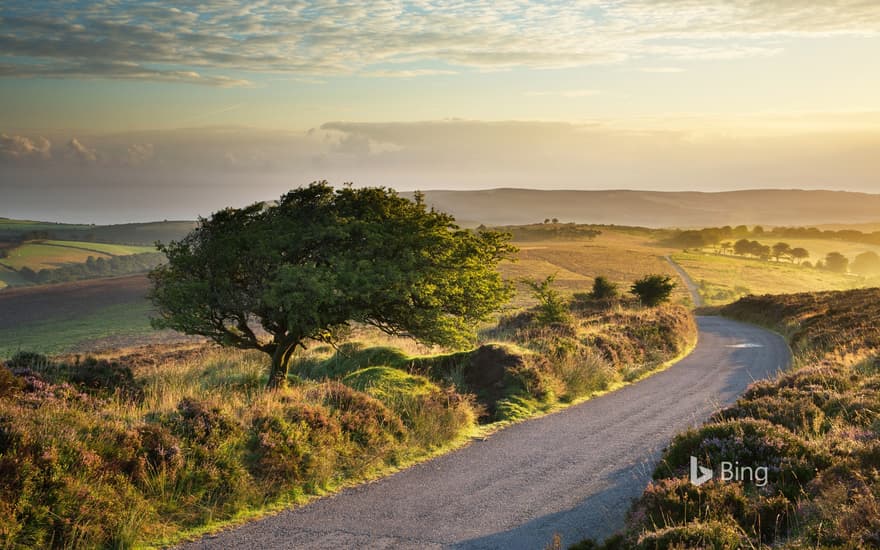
pixel 620 255
pixel 723 279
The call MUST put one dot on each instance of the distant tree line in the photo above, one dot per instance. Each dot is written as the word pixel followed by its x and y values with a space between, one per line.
pixel 551 230
pixel 94 268
pixel 709 236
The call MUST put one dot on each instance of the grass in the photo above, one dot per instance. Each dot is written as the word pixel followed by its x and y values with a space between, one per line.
pixel 183 440
pixel 9 277
pixel 64 334
pixel 816 428
pixel 621 256
pixel 37 256
pixel 723 279
pixel 111 249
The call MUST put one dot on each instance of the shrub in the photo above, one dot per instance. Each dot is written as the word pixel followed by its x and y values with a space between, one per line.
pixel 294 442
pixel 551 308
pixel 716 535
pixel 791 461
pixel 653 290
pixel 603 289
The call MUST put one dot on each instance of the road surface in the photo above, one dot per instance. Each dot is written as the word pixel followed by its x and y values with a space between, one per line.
pixel 573 473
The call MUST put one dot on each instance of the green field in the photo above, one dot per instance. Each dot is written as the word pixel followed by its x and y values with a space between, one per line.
pixel 723 279
pixel 59 335
pixel 37 256
pixel 104 248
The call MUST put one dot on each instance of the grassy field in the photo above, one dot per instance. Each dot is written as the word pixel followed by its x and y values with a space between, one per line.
pixel 53 254
pixel 37 256
pixel 723 279
pixel 104 248
pixel 619 255
pixel 57 335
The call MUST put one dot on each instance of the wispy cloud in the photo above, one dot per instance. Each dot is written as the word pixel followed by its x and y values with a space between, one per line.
pixel 214 42
pixel 24 148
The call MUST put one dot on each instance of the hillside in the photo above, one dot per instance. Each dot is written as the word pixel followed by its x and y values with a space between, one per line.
pixel 659 209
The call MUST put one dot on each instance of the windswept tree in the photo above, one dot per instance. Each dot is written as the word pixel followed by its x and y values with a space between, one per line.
pixel 274 277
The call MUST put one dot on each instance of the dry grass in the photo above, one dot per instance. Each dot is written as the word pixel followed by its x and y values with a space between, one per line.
pixel 620 256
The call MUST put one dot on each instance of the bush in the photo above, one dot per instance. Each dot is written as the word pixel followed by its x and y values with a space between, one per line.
pixel 716 535
pixel 653 290
pixel 551 308
pixel 603 289
pixel 791 461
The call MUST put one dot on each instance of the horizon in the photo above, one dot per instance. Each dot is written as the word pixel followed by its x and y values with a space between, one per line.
pixel 124 219
pixel 150 110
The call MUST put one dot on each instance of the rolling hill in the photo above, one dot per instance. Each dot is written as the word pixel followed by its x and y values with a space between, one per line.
pixel 657 208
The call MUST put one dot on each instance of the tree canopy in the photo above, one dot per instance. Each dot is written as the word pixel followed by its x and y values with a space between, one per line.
pixel 273 277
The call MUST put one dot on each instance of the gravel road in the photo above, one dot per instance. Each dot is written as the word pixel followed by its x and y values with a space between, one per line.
pixel 573 473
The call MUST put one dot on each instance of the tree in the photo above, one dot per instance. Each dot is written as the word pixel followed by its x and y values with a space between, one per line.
pixel 603 289
pixel 321 258
pixel 552 308
pixel 866 263
pixel 835 261
pixel 555 220
pixel 780 250
pixel 546 220
pixel 742 247
pixel 799 254
pixel 653 290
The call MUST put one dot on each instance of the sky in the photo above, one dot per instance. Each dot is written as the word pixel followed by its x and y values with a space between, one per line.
pixel 133 110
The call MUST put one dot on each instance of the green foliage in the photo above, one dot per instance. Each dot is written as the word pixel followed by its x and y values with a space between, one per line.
pixel 603 289
pixel 653 290
pixel 94 268
pixel 552 307
pixel 321 258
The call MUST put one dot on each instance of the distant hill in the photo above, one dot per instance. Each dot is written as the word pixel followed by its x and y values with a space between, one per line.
pixel 659 209
pixel 129 233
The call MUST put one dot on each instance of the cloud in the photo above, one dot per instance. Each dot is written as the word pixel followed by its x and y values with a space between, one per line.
pixel 24 148
pixel 77 150
pixel 218 41
pixel 138 154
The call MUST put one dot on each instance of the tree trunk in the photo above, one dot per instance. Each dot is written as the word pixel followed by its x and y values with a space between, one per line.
pixel 280 364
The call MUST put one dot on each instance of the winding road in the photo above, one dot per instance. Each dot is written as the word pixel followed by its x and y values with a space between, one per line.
pixel 574 473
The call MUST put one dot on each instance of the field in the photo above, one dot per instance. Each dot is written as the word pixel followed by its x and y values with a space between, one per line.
pixel 619 255
pixel 38 255
pixel 77 316
pixel 723 279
